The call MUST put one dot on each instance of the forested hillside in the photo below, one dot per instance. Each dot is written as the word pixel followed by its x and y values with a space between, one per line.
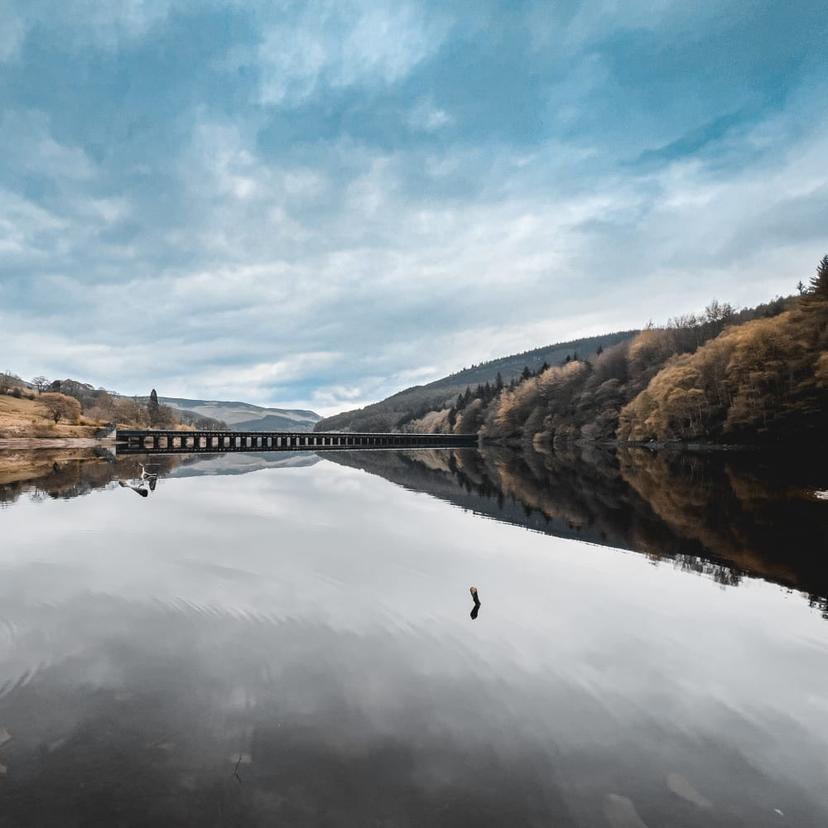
pixel 585 399
pixel 764 379
pixel 723 376
pixel 395 412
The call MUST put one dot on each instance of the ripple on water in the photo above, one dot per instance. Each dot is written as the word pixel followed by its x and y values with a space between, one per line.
pixel 15 684
pixel 8 632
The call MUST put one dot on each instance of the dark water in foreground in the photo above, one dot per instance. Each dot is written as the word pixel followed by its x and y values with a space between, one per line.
pixel 287 640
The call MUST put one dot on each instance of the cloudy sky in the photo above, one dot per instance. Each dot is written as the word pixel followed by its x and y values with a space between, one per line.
pixel 319 203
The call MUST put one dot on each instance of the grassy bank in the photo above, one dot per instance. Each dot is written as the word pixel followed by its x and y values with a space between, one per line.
pixel 23 417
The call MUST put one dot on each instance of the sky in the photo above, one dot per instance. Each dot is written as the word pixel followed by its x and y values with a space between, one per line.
pixel 315 204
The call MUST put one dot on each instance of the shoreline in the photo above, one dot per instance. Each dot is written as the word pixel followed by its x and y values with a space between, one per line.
pixel 34 443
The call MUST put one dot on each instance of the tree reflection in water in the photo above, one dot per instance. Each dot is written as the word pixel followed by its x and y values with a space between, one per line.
pixel 723 515
pixel 68 473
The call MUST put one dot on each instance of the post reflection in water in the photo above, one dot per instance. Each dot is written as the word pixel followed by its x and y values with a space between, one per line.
pixel 231 651
pixel 722 515
pixel 476 600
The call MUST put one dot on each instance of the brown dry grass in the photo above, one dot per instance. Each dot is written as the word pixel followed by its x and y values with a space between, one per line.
pixel 29 418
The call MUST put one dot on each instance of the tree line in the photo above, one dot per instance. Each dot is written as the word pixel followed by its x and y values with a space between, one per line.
pixel 757 374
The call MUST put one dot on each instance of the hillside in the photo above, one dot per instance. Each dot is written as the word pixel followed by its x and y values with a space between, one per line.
pixel 722 376
pixel 71 408
pixel 241 416
pixel 765 379
pixel 31 417
pixel 392 413
pixel 758 375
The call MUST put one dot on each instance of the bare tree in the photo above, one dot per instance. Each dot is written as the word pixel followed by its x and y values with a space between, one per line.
pixel 719 311
pixel 61 407
pixel 40 383
pixel 8 380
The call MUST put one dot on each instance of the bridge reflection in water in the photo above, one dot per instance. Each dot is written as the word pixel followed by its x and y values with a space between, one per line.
pixel 173 442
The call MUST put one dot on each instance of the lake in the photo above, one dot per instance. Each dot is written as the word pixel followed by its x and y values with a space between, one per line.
pixel 290 639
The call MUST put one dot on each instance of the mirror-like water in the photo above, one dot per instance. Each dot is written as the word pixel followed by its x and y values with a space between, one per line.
pixel 270 639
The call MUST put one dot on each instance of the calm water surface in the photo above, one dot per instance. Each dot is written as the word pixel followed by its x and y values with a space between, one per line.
pixel 288 640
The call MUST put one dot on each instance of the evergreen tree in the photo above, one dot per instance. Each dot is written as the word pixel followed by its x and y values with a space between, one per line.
pixel 525 373
pixel 152 406
pixel 600 350
pixel 498 382
pixel 819 281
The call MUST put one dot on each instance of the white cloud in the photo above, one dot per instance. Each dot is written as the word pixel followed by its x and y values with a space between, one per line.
pixel 82 23
pixel 339 272
pixel 268 373
pixel 344 44
pixel 27 145
pixel 427 117
pixel 384 288
pixel 12 33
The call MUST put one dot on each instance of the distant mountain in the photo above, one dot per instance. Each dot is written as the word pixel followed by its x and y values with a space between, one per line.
pixel 388 414
pixel 241 416
pixel 244 462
